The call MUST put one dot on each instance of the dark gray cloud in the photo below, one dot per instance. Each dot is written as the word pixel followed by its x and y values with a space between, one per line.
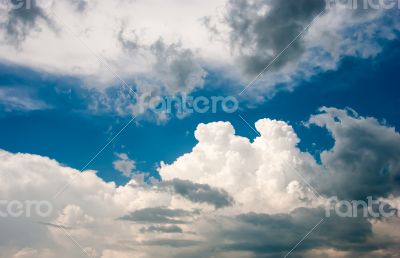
pixel 198 193
pixel 270 236
pixel 80 5
pixel 128 44
pixel 176 243
pixel 158 215
pixel 263 28
pixel 177 67
pixel 22 19
pixel 365 160
pixel 267 235
pixel 162 229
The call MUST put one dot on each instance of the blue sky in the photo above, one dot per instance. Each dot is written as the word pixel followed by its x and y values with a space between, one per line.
pixel 67 132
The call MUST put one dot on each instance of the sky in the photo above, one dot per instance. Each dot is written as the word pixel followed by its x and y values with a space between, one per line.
pixel 91 128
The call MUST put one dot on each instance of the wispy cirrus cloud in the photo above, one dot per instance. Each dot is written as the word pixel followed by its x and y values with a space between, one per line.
pixel 20 99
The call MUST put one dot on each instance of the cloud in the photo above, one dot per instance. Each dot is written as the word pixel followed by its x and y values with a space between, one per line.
pixel 88 203
pixel 176 243
pixel 275 235
pixel 22 19
pixel 172 71
pixel 81 5
pixel 365 150
pixel 124 164
pixel 365 160
pixel 30 252
pixel 271 166
pixel 270 180
pixel 177 67
pixel 198 193
pixel 158 215
pixel 260 30
pixel 156 55
pixel 166 49
pixel 128 44
pixel 20 99
pixel 162 229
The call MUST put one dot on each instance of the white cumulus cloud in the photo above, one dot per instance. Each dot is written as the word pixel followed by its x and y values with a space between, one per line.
pixel 229 197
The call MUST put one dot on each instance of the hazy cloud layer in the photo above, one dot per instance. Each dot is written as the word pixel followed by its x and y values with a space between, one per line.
pixel 20 99
pixel 165 48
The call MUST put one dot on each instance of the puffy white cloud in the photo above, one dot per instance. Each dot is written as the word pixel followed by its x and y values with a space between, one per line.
pixel 124 164
pixel 229 197
pixel 270 166
pixel 88 203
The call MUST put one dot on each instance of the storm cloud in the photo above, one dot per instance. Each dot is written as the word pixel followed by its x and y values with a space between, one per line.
pixel 259 30
pixel 266 235
pixel 365 160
